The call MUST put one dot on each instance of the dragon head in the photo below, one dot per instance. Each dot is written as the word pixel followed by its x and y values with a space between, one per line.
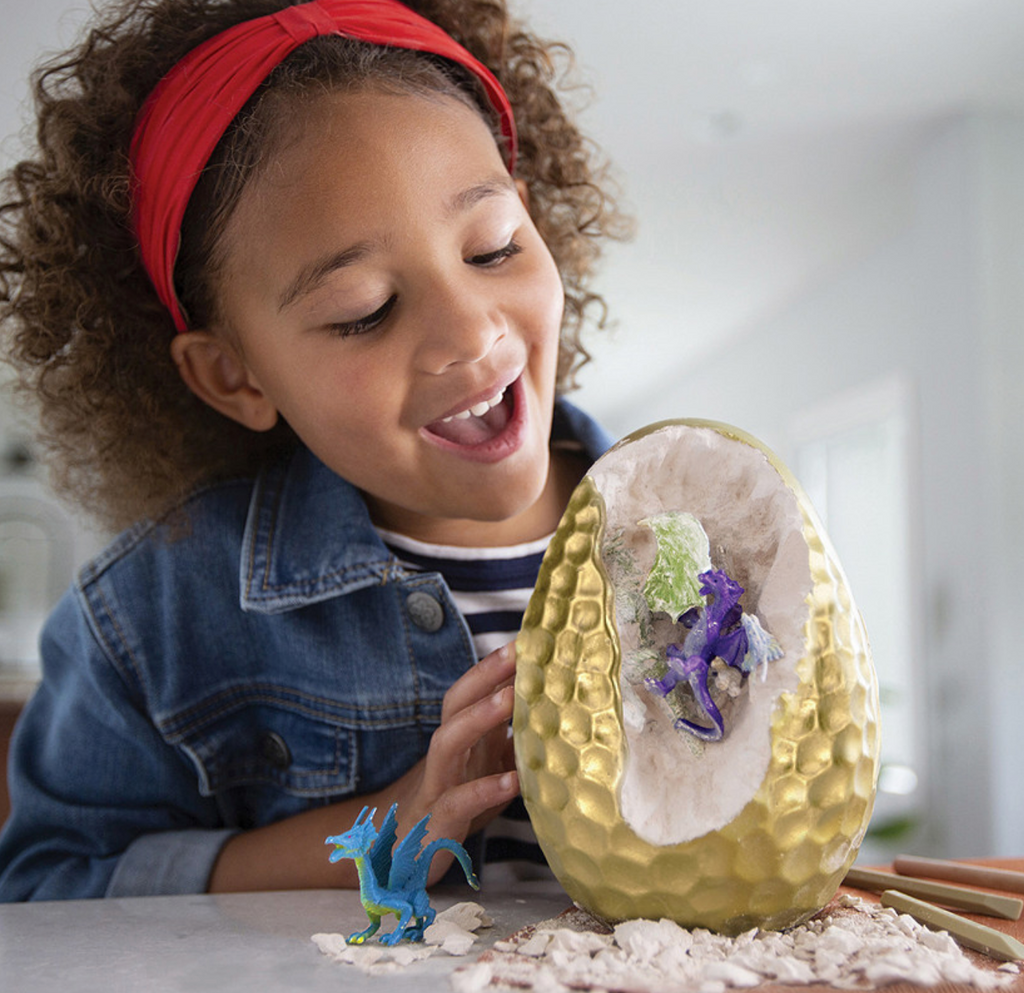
pixel 357 840
pixel 717 582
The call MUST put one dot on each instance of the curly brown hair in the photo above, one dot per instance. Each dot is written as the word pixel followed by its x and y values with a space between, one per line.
pixel 84 329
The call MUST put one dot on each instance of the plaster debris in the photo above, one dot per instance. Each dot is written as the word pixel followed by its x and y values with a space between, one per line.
pixel 854 944
pixel 452 932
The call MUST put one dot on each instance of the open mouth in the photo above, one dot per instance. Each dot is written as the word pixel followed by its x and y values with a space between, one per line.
pixel 484 426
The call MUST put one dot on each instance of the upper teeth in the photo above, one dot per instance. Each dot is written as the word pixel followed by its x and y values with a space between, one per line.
pixel 477 410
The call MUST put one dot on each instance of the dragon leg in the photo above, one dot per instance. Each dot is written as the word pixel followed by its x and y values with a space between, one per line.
pixel 404 912
pixel 662 686
pixel 360 936
pixel 676 673
pixel 732 647
pixel 416 931
pixel 699 684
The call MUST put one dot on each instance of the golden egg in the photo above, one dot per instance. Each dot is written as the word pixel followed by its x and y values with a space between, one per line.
pixel 636 816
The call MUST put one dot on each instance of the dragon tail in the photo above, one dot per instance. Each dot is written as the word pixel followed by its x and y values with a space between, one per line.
pixel 458 851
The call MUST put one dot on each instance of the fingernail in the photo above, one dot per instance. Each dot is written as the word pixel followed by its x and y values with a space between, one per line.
pixel 507 781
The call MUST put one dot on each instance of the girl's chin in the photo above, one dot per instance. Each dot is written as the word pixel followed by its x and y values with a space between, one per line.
pixel 501 505
pixel 477 512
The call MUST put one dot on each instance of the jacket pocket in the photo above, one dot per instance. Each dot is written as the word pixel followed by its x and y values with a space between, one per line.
pixel 263 736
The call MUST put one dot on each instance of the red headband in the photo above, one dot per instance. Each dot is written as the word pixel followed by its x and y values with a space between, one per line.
pixel 193 105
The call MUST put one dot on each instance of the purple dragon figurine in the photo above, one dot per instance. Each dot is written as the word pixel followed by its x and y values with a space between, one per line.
pixel 716 631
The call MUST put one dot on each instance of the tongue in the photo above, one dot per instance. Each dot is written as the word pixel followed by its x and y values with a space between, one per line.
pixel 473 430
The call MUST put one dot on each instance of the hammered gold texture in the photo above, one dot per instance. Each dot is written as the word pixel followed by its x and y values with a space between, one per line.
pixel 784 855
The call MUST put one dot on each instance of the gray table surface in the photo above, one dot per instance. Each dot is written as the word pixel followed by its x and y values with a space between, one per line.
pixel 251 942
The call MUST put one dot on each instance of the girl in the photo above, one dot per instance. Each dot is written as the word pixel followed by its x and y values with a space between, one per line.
pixel 296 290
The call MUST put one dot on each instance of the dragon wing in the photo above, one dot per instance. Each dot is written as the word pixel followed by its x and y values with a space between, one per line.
pixel 696 639
pixel 683 554
pixel 403 864
pixel 380 855
pixel 761 646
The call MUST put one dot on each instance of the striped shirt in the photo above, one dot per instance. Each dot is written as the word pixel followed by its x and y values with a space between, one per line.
pixel 491 588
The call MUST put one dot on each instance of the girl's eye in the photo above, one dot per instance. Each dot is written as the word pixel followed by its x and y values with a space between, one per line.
pixel 363 324
pixel 495 258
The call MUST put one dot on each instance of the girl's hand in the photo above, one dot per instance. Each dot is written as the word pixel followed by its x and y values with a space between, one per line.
pixel 468 775
pixel 465 779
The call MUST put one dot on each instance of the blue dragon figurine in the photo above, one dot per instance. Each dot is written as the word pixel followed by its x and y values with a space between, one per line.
pixel 394 883
pixel 719 630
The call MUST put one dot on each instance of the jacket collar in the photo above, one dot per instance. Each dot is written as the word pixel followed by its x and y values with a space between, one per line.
pixel 308 535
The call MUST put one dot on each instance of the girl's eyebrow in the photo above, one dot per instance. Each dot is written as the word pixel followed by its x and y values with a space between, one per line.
pixel 313 273
pixel 496 186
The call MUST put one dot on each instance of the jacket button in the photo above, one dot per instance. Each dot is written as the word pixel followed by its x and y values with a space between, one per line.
pixel 426 613
pixel 275 750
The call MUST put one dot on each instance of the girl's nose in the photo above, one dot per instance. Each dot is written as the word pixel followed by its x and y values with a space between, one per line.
pixel 459 327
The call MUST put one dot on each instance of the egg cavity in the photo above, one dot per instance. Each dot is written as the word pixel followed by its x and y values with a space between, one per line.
pixel 754 527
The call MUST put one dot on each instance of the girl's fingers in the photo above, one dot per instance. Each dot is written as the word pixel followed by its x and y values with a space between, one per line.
pixel 452 742
pixel 467 768
pixel 490 673
pixel 461 805
pixel 465 809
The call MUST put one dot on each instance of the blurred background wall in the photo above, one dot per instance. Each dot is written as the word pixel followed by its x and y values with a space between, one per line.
pixel 829 254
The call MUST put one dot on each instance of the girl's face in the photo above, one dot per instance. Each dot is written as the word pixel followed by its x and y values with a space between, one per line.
pixel 389 294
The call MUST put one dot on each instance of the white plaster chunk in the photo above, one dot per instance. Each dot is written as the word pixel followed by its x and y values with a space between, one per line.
pixel 645 939
pixel 712 986
pixel 451 932
pixel 577 942
pixel 458 944
pixel 859 946
pixel 406 954
pixel 732 975
pixel 449 937
pixel 332 945
pixel 468 915
pixel 788 970
pixel 548 982
pixel 536 946
pixel 473 979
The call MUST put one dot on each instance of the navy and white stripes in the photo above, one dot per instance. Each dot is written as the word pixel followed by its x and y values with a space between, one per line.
pixel 490 586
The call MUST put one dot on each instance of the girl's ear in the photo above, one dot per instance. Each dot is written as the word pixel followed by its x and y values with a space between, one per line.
pixel 215 372
pixel 524 193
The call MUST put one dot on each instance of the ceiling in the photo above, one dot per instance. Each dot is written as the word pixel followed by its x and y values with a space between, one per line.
pixel 756 141
pixel 703 70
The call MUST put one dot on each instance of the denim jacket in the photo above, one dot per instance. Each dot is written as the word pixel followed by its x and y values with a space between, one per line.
pixel 171 715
